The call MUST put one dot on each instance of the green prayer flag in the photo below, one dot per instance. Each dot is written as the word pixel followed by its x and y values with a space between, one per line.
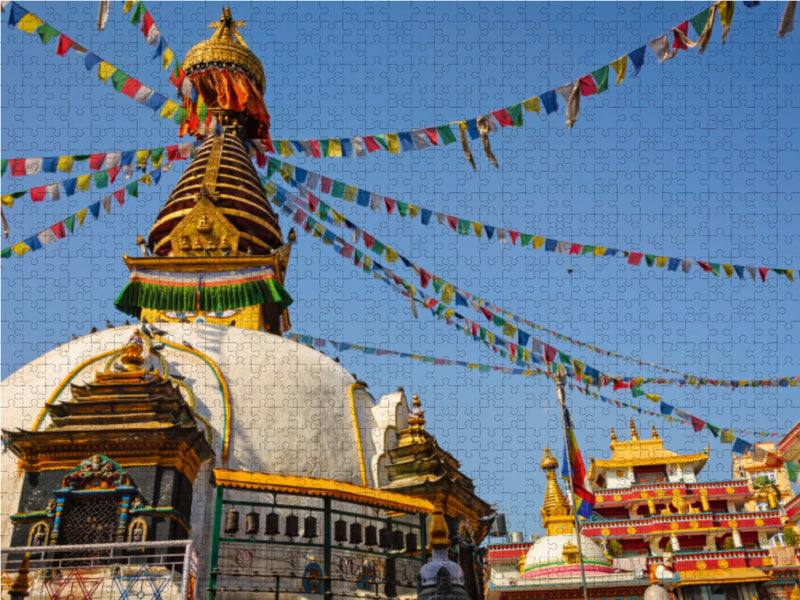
pixel 118 79
pixel 81 157
pixel 338 189
pixel 323 211
pixel 525 239
pixel 445 133
pixel 601 79
pixel 323 148
pixel 46 33
pixel 587 250
pixel 699 22
pixel 6 252
pixel 792 468
pixel 69 223
pixel 650 259
pixel 138 13
pixel 402 208
pixel 100 179
pixel 378 247
pixel 3 166
pixel 180 115
pixel 498 320
pixel 437 284
pixel 464 227
pixel 515 112
pixel 381 139
pixel 713 429
pixel 484 368
pixel 637 392
pixel 564 359
pixel 133 188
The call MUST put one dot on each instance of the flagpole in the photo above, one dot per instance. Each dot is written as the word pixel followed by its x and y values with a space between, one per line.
pixel 559 378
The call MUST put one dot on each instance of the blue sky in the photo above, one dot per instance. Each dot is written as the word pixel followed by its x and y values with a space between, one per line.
pixel 694 158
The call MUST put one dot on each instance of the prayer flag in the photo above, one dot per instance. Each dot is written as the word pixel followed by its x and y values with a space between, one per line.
pixel 573 464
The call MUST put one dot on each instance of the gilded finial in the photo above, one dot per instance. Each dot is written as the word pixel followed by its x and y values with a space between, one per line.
pixel 613 435
pixel 554 503
pixel 438 532
pixel 416 419
pixel 634 433
pixel 226 27
pixel 548 460
pixel 653 431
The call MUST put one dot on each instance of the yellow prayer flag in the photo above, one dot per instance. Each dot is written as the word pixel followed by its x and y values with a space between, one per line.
pixel 167 58
pixel 538 242
pixel 790 274
pixel 447 294
pixel 473 366
pixel 449 313
pixel 338 218
pixel 599 250
pixel 270 188
pixel 531 104
pixel 141 158
pixel 20 248
pixel 509 329
pixel 653 397
pixel 726 13
pixel 350 193
pixel 128 5
pixel 169 109
pixel 7 200
pixel 81 215
pixel 413 211
pixel 620 66
pixel 334 147
pixel 490 337
pixel 286 148
pixel 391 255
pixel 65 163
pixel 394 143
pixel 83 182
pixel 29 23
pixel 526 355
pixel 105 70
pixel 287 170
pixel 728 270
pixel 146 179
pixel 661 261
pixel 477 228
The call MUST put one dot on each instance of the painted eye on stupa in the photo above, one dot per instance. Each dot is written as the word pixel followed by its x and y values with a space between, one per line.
pixel 177 314
pixel 221 314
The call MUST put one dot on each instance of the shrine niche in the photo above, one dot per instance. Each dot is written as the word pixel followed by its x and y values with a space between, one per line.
pixel 204 231
pixel 96 473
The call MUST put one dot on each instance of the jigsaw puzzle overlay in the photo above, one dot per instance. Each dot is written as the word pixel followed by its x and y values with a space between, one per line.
pixel 453 236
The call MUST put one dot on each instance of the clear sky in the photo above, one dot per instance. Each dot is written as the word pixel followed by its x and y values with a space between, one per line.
pixel 694 158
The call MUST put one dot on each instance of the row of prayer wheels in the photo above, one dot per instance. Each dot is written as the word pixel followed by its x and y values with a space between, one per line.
pixel 386 537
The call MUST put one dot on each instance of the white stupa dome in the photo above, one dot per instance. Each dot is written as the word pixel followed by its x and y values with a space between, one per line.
pixel 546 558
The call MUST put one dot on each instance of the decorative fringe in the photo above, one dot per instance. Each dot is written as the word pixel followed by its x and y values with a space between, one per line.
pixel 483 130
pixel 462 129
pixel 574 105
pixel 705 36
pixel 787 22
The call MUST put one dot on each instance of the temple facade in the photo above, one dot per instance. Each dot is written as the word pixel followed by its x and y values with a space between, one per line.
pixel 728 539
pixel 200 454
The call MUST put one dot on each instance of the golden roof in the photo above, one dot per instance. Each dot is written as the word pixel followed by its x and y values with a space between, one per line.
pixel 222 179
pixel 555 511
pixel 732 575
pixel 225 48
pixel 639 452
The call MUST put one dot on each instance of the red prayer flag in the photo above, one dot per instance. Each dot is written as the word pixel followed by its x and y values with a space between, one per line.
pixel 487 313
pixel 17 167
pixel 620 385
pixel 173 153
pixel 697 424
pixel 390 204
pixel 64 44
pixel 705 266
pixel 313 202
pixel 424 278
pixel 347 250
pixel 514 235
pixel 433 135
pixel 131 87
pixel 112 173
pixel 96 161
pixel 588 86
pixel 327 184
pixel 372 145
pixel 678 42
pixel 475 329
pixel 261 160
pixel 550 353
pixel 763 272
pixel 38 193
pixel 635 258
pixel 147 23
pixel 503 117
pixel 368 239
pixel 120 196
pixel 453 221
pixel 575 248
pixel 59 230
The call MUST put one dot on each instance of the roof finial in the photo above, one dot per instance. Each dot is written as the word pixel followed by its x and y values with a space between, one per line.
pixel 416 419
pixel 613 435
pixel 438 532
pixel 653 431
pixel 226 27
pixel 634 433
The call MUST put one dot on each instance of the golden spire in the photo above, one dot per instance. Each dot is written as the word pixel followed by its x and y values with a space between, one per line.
pixel 226 28
pixel 438 532
pixel 613 435
pixel 416 419
pixel 555 511
pixel 634 433
pixel 653 431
